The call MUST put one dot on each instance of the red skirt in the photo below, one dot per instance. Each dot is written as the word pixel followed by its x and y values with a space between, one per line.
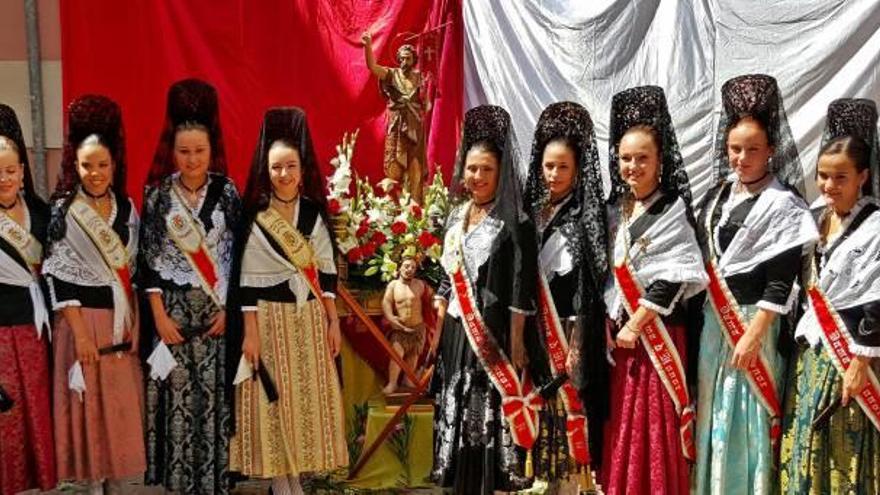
pixel 101 435
pixel 642 448
pixel 27 454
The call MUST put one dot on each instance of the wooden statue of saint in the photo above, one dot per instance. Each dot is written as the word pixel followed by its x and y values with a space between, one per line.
pixel 405 141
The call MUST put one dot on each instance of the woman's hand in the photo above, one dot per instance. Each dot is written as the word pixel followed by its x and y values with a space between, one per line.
pixel 334 337
pixel 747 350
pixel 518 352
pixel 86 350
pixel 855 378
pixel 166 327
pixel 84 345
pixel 627 338
pixel 745 354
pixel 218 324
pixel 250 346
pixel 168 330
pixel 610 343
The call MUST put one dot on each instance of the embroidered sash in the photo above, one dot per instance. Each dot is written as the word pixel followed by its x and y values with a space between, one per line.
pixel 296 247
pixel 663 355
pixel 188 237
pixel 519 401
pixel 837 339
pixel 107 242
pixel 31 251
pixel 27 246
pixel 557 349
pixel 733 326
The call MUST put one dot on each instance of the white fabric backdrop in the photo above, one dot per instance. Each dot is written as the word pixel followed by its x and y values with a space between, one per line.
pixel 526 54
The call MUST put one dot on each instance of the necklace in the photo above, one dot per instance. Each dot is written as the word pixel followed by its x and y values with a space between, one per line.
pixel 284 201
pixel 9 207
pixel 96 197
pixel 188 189
pixel 485 204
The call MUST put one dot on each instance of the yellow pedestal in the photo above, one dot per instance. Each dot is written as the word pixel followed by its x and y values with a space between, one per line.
pixel 384 470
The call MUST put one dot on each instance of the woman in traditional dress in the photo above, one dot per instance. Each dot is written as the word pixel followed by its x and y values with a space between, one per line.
pixel 564 194
pixel 657 267
pixel 27 450
pixel 286 274
pixel 93 243
pixel 831 442
pixel 754 228
pixel 490 252
pixel 190 210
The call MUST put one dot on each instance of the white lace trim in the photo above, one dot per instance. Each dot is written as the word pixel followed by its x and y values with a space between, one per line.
pixel 864 350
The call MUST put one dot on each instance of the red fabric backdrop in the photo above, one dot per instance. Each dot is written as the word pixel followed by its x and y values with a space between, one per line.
pixel 258 54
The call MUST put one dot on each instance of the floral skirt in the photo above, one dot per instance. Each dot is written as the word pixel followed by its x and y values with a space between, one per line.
pixel 187 413
pixel 304 431
pixel 474 451
pixel 27 448
pixel 642 451
pixel 843 456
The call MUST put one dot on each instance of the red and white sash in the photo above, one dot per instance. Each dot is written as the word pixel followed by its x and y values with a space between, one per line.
pixel 557 349
pixel 836 339
pixel 189 238
pixel 733 326
pixel 663 354
pixel 296 247
pixel 519 402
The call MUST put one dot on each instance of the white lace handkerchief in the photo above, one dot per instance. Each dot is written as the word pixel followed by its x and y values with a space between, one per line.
pixel 161 362
pixel 245 371
pixel 75 379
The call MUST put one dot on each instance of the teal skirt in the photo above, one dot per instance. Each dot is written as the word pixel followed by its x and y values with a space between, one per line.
pixel 734 454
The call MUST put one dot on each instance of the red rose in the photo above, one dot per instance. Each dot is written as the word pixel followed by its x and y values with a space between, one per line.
pixel 427 239
pixel 398 227
pixel 333 207
pixel 369 249
pixel 362 230
pixel 416 211
pixel 355 254
pixel 378 238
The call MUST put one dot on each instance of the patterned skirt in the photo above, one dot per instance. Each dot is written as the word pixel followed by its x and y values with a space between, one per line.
pixel 550 456
pixel 101 435
pixel 27 450
pixel 734 453
pixel 642 451
pixel 187 414
pixel 474 451
pixel 304 431
pixel 843 456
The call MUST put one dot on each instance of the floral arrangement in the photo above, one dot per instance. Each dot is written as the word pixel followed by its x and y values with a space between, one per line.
pixel 377 227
